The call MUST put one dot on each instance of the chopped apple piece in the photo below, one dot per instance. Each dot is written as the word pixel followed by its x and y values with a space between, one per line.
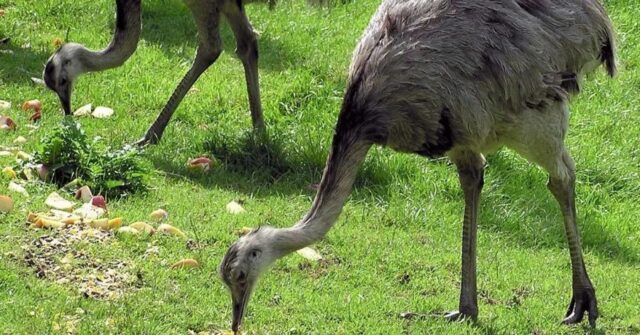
pixel 84 110
pixel 99 224
pixel 102 112
pixel 6 204
pixel 114 223
pixel 54 200
pixel 159 215
pixel 18 189
pixel 309 254
pixel 128 230
pixel 20 140
pixel 98 201
pixel 188 263
pixel 201 163
pixel 84 193
pixel 171 230
pixel 235 208
pixel 35 104
pixel 89 212
pixel 8 171
pixel 143 227
pixel 4 105
pixel 7 123
pixel 46 223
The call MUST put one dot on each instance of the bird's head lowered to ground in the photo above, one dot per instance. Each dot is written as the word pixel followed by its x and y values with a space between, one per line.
pixel 243 263
pixel 62 68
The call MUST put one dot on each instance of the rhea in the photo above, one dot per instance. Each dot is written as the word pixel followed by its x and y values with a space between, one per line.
pixel 71 59
pixel 461 79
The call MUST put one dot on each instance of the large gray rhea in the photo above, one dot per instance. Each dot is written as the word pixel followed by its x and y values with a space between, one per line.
pixel 461 79
pixel 72 59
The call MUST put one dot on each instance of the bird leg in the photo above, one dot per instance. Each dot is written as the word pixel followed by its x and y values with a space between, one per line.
pixel 207 54
pixel 247 51
pixel 584 296
pixel 471 175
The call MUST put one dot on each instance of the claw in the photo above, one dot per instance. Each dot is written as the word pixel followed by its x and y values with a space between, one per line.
pixel 585 302
pixel 570 309
pixel 141 143
pixel 147 140
pixel 457 316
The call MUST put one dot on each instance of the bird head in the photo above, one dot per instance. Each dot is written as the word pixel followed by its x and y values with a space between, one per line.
pixel 243 263
pixel 61 70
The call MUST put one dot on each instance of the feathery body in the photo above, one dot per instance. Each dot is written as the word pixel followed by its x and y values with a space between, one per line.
pixel 455 78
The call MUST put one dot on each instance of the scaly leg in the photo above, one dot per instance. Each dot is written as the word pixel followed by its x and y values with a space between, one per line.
pixel 208 51
pixel 247 51
pixel 471 174
pixel 584 296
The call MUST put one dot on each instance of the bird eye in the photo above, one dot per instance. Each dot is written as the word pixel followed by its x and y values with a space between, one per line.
pixel 255 253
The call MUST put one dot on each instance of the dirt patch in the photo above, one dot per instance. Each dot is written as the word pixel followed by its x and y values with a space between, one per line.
pixel 57 257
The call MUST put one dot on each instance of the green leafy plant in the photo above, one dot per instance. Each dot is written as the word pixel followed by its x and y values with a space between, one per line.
pixel 68 155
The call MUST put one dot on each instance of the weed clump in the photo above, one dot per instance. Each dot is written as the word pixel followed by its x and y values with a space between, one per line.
pixel 68 155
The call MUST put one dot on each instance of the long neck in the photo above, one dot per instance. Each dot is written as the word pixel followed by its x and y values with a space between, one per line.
pixel 346 156
pixel 124 42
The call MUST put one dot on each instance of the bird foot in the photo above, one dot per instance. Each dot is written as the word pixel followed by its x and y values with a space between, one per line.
pixel 584 301
pixel 147 140
pixel 458 316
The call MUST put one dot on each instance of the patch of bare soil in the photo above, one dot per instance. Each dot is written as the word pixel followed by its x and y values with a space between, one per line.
pixel 57 257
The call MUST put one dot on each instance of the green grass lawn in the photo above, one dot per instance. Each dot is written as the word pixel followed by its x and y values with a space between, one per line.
pixel 396 247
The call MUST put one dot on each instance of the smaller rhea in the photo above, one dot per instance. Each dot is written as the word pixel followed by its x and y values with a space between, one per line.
pixel 461 79
pixel 71 59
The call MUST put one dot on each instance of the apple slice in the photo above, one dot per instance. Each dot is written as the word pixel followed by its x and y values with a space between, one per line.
pixel 20 140
pixel 54 200
pixel 99 224
pixel 98 201
pixel 128 230
pixel 244 231
pixel 18 189
pixel 7 123
pixel 309 254
pixel 43 172
pixel 89 212
pixel 102 112
pixel 46 223
pixel 159 215
pixel 84 193
pixel 8 171
pixel 235 208
pixel 6 204
pixel 171 230
pixel 4 105
pixel 201 163
pixel 84 110
pixel 114 223
pixel 188 263
pixel 143 227
pixel 35 104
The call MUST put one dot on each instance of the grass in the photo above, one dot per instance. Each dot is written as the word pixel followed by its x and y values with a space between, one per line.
pixel 396 246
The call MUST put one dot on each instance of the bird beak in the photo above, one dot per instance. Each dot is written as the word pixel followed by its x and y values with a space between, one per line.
pixel 65 99
pixel 239 302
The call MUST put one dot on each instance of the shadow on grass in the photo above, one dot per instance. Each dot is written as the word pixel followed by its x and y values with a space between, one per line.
pixel 20 64
pixel 546 213
pixel 267 167
pixel 169 23
pixel 283 166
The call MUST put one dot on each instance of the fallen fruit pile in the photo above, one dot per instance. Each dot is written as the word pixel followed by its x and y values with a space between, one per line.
pixel 92 212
